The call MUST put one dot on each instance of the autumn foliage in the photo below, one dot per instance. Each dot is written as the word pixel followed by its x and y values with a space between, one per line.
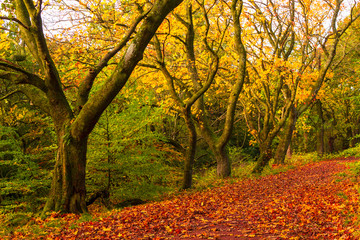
pixel 314 201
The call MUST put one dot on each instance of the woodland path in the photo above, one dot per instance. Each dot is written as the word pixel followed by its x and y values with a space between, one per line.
pixel 313 201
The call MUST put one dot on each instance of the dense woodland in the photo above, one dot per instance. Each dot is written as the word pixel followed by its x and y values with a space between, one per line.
pixel 121 102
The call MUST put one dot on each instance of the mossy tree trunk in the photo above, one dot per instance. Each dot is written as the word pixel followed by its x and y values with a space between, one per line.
pixel 285 138
pixel 218 144
pixel 223 163
pixel 68 190
pixel 192 97
pixel 190 150
pixel 265 156
pixel 320 132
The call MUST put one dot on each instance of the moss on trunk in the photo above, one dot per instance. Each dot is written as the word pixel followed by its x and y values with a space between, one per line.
pixel 68 189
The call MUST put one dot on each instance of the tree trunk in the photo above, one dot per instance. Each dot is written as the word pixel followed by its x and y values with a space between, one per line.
pixel 190 151
pixel 332 144
pixel 67 192
pixel 320 146
pixel 289 151
pixel 223 162
pixel 305 141
pixel 356 132
pixel 68 189
pixel 285 139
pixel 265 156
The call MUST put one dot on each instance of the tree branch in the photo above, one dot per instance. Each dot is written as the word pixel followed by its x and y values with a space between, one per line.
pixel 99 101
pixel 37 97
pixel 9 94
pixel 87 83
pixel 15 20
pixel 236 10
pixel 21 77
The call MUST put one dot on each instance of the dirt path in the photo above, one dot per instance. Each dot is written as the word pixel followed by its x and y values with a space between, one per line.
pixel 310 202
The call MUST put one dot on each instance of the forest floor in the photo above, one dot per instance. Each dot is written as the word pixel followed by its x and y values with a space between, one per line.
pixel 314 201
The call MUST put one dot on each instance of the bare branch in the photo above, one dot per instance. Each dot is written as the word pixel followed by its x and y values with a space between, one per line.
pixel 15 20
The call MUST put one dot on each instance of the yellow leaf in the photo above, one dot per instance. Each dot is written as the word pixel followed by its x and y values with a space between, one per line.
pixel 105 229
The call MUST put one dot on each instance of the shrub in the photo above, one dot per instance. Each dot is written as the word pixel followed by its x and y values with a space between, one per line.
pixel 23 184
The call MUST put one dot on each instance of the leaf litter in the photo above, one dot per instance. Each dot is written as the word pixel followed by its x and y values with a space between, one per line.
pixel 309 202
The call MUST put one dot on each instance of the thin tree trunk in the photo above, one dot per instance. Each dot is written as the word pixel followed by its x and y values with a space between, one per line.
pixel 305 140
pixel 68 189
pixel 289 151
pixel 332 144
pixel 320 145
pixel 285 139
pixel 190 151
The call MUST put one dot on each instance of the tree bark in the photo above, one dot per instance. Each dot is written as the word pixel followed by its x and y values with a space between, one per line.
pixel 320 145
pixel 68 189
pixel 289 151
pixel 331 143
pixel 190 151
pixel 223 169
pixel 305 141
pixel 265 156
pixel 285 139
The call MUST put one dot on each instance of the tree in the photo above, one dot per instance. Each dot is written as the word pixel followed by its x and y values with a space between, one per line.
pixel 271 74
pixel 323 56
pixel 191 96
pixel 213 53
pixel 73 125
pixel 218 143
pixel 297 60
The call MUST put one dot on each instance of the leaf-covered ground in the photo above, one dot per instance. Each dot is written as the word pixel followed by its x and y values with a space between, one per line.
pixel 311 202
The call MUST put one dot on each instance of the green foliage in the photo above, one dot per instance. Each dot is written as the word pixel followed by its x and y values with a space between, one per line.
pixel 350 152
pixel 303 158
pixel 355 168
pixel 206 179
pixel 125 152
pixel 23 184
pixel 354 172
pixel 239 154
pixel 243 170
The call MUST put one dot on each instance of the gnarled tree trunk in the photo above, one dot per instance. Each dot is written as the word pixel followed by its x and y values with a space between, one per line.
pixel 68 190
pixel 285 139
pixel 265 156
pixel 218 144
pixel 73 126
